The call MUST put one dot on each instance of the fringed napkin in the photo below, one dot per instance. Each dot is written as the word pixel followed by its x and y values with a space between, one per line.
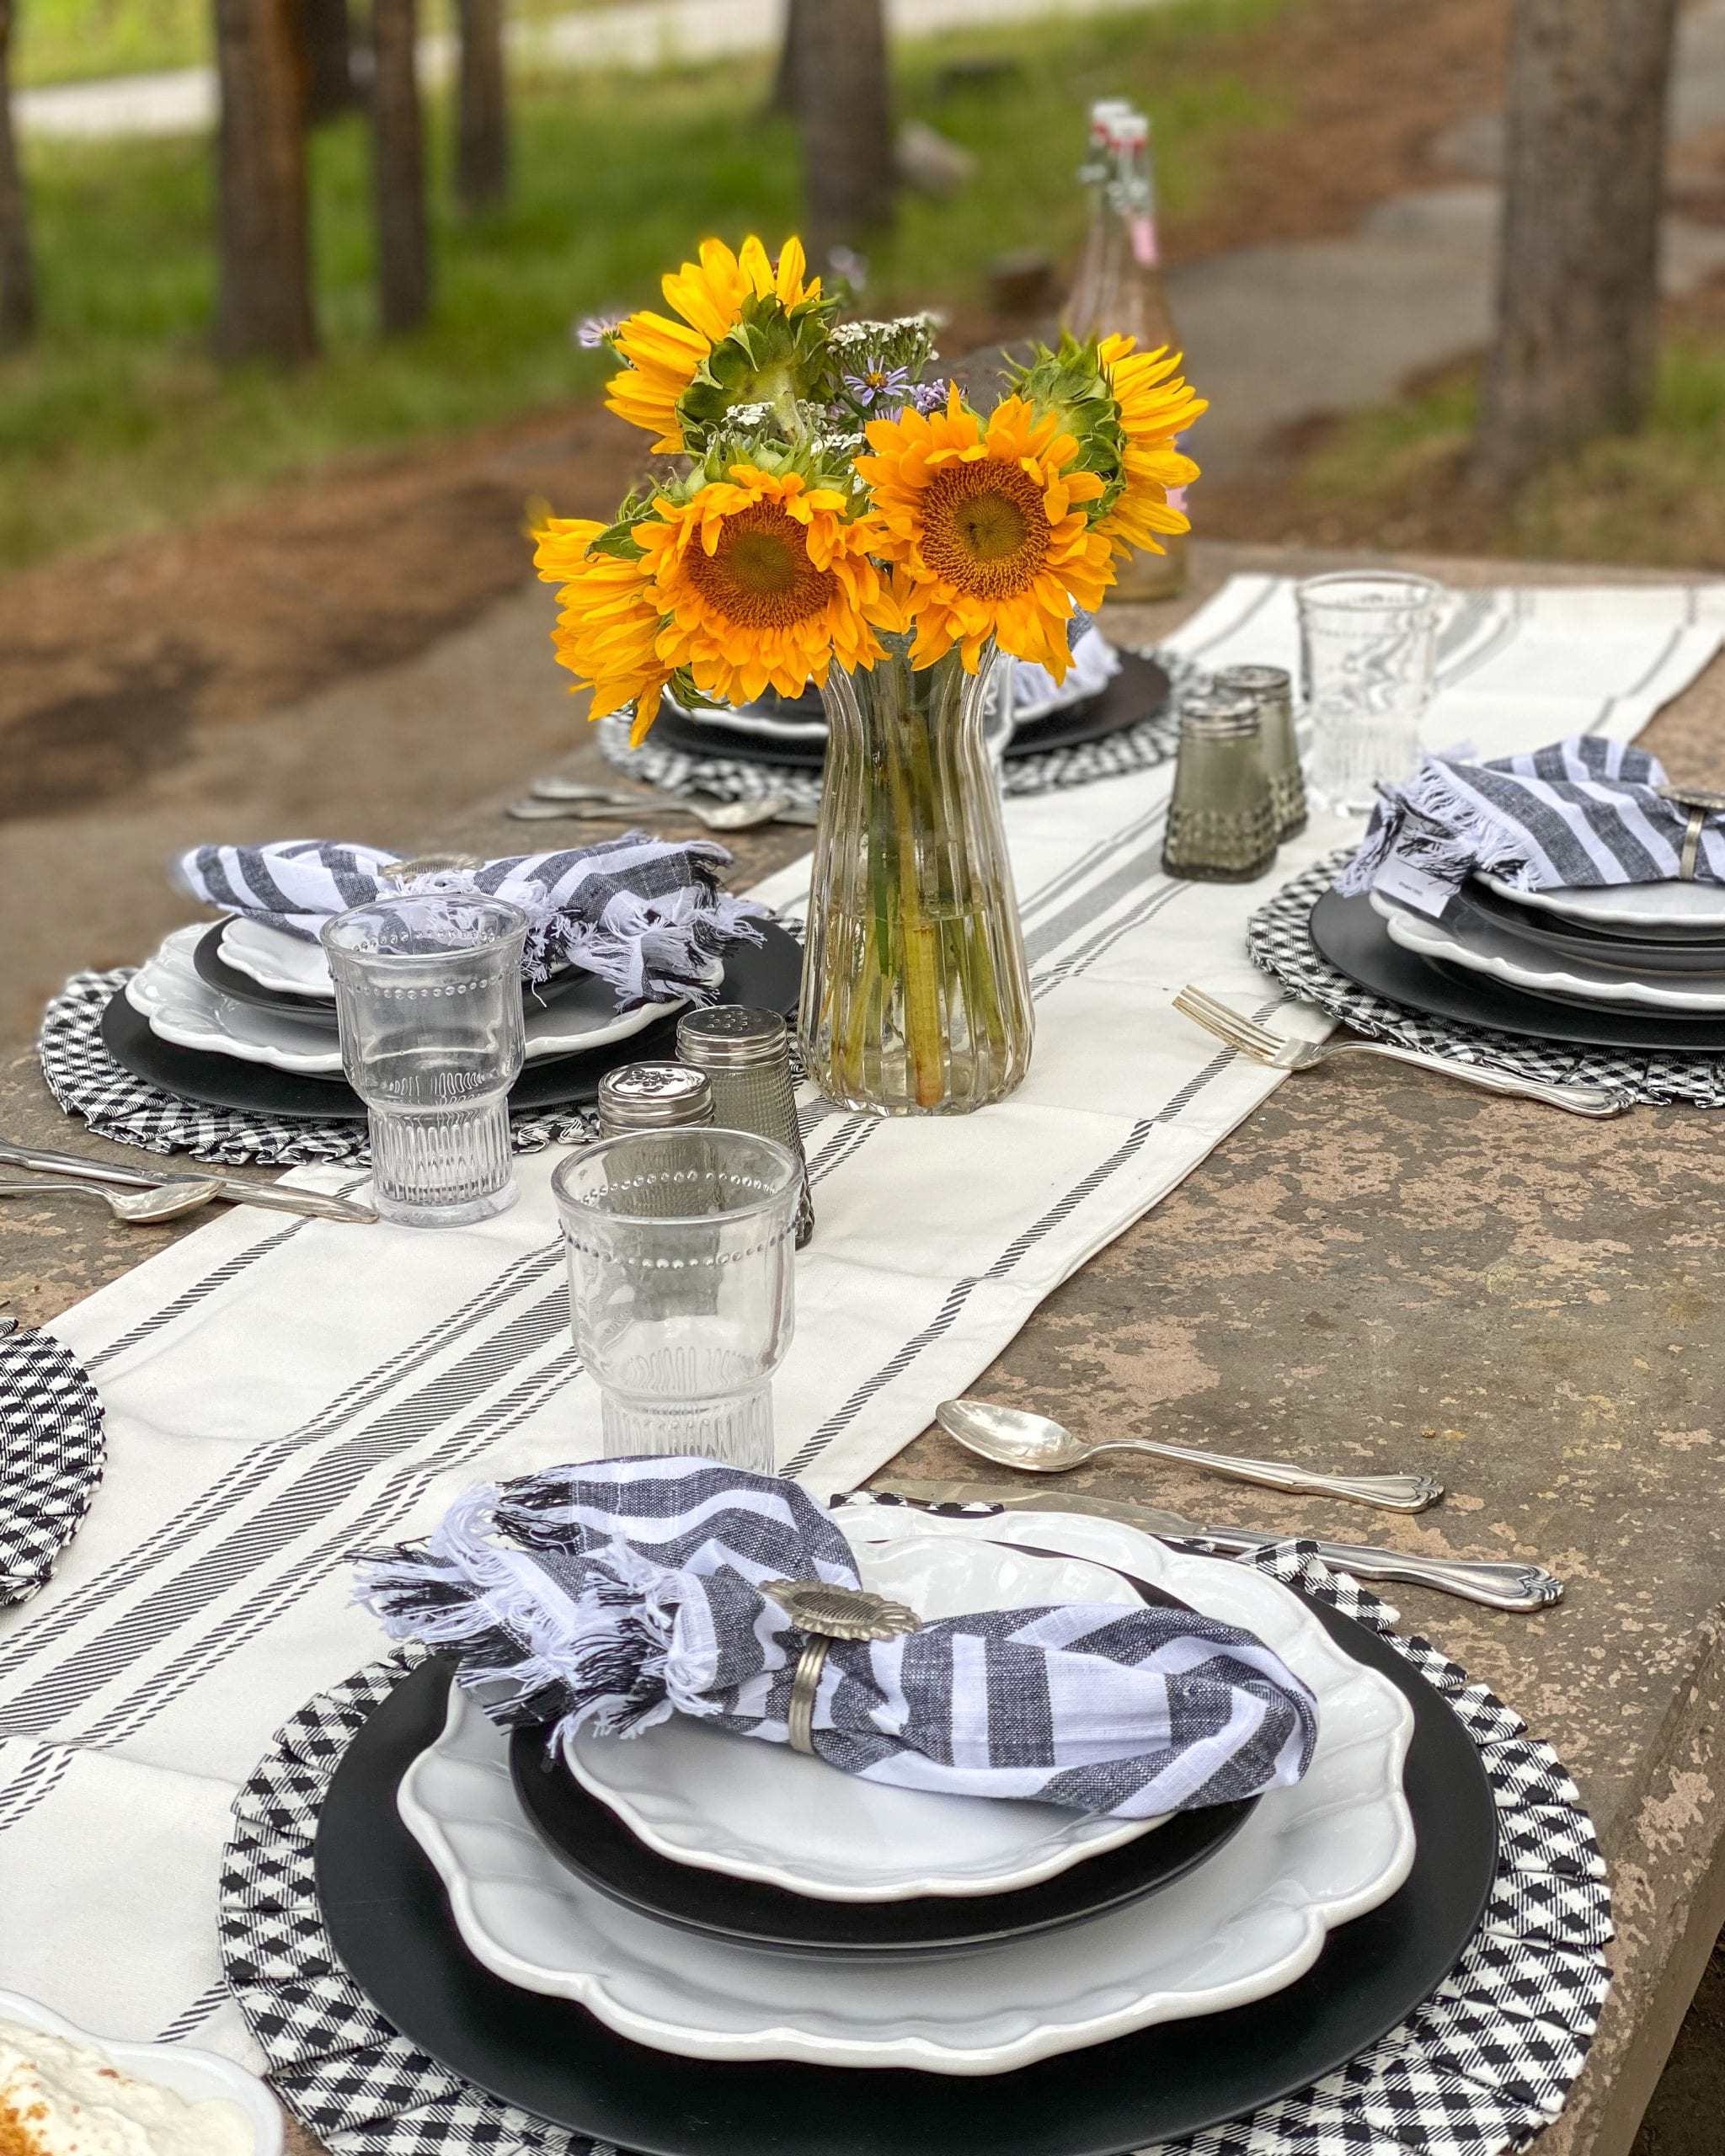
pixel 646 915
pixel 613 1595
pixel 1582 812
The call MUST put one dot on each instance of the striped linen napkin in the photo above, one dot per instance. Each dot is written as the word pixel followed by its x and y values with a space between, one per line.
pixel 644 914
pixel 614 1594
pixel 1584 811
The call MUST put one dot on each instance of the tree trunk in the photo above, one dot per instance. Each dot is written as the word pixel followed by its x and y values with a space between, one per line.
pixel 398 169
pixel 327 36
pixel 18 273
pixel 482 107
pixel 845 106
pixel 1577 294
pixel 263 310
pixel 784 97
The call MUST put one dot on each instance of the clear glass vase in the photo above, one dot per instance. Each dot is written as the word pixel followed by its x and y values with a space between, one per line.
pixel 915 996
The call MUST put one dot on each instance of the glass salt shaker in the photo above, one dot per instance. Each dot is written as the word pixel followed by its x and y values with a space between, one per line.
pixel 1222 824
pixel 1273 689
pixel 746 1055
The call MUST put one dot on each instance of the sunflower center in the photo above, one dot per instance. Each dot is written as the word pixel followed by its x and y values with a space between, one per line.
pixel 984 528
pixel 761 576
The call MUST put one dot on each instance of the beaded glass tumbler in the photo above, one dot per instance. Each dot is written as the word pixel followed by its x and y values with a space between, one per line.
pixel 680 1246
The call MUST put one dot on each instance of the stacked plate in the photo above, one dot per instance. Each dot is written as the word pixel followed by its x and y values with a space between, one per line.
pixel 1634 965
pixel 242 1015
pixel 694 1941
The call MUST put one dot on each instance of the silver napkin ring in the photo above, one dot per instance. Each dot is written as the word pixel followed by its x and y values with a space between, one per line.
pixel 1701 801
pixel 826 1614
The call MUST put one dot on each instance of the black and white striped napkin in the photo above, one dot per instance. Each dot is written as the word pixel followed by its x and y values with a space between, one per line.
pixel 612 1595
pixel 1582 811
pixel 644 914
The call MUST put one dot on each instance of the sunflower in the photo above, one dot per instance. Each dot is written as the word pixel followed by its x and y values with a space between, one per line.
pixel 753 580
pixel 712 297
pixel 988 529
pixel 1155 406
pixel 610 622
pixel 765 580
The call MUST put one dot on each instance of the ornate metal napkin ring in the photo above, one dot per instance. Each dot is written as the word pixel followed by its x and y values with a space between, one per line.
pixel 1701 801
pixel 826 1614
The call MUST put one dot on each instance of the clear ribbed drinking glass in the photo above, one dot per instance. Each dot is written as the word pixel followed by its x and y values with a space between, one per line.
pixel 428 996
pixel 1368 654
pixel 680 1246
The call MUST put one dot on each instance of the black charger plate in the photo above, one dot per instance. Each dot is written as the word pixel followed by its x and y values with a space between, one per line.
pixel 1357 943
pixel 582 1832
pixel 1137 692
pixel 767 974
pixel 571 985
pixel 389 1923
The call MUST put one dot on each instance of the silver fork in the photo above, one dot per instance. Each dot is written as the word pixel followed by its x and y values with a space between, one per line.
pixel 1250 1038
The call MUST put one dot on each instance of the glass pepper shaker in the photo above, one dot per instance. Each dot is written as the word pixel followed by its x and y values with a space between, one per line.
pixel 1222 824
pixel 1273 688
pixel 746 1055
pixel 658 1096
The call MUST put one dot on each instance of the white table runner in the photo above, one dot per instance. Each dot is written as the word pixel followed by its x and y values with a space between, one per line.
pixel 279 1394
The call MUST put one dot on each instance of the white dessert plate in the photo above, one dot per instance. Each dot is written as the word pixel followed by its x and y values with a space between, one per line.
pixel 275 960
pixel 181 1007
pixel 1672 905
pixel 1338 1844
pixel 757 1812
pixel 1482 947
pixel 194 2076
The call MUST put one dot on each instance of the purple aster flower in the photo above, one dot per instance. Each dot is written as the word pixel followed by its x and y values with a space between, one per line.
pixel 591 331
pixel 879 383
pixel 929 397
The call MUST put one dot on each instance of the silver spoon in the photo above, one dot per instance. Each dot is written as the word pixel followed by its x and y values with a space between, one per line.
pixel 1012 1437
pixel 141 1208
pixel 726 816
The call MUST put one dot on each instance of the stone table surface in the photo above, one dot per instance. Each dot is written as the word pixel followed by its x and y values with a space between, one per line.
pixel 1379 1270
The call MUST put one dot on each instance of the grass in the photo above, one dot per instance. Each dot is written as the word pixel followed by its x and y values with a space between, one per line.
pixel 118 422
pixel 1656 498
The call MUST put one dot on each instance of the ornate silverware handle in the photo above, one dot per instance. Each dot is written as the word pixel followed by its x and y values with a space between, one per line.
pixel 1498 1586
pixel 1579 1100
pixel 1392 1493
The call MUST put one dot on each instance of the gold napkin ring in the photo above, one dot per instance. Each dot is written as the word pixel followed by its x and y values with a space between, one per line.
pixel 826 1613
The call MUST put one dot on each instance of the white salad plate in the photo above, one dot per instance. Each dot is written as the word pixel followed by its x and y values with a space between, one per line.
pixel 276 960
pixel 758 1812
pixel 197 2077
pixel 1309 1858
pixel 1671 905
pixel 1486 949
pixel 181 1006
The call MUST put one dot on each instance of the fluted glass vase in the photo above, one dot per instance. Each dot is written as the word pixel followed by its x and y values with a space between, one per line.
pixel 916 997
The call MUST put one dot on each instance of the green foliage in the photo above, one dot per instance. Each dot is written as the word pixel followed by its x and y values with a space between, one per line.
pixel 118 421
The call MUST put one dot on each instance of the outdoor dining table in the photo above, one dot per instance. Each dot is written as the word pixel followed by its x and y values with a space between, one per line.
pixel 1378 1269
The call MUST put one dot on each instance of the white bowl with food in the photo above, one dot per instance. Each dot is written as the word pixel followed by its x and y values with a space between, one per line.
pixel 76 2094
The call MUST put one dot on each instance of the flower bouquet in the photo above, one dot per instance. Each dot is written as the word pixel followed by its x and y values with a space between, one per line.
pixel 835 513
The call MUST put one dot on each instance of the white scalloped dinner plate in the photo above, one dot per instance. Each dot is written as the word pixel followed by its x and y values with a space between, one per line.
pixel 1239 1928
pixel 1698 906
pixel 181 1006
pixel 1500 958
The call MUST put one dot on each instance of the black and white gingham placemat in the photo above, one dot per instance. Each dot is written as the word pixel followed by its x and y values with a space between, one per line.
pixel 1481 2067
pixel 1280 937
pixel 86 1080
pixel 1139 748
pixel 52 1452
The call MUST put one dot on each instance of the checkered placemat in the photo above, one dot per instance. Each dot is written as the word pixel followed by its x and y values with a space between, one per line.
pixel 1154 740
pixel 52 1452
pixel 1279 939
pixel 86 1080
pixel 1481 2067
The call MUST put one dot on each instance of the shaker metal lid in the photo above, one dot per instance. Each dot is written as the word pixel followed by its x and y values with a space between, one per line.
pixel 730 1035
pixel 1255 680
pixel 646 1094
pixel 1219 715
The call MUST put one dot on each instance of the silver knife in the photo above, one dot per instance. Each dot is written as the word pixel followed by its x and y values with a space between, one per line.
pixel 236 1189
pixel 1498 1586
